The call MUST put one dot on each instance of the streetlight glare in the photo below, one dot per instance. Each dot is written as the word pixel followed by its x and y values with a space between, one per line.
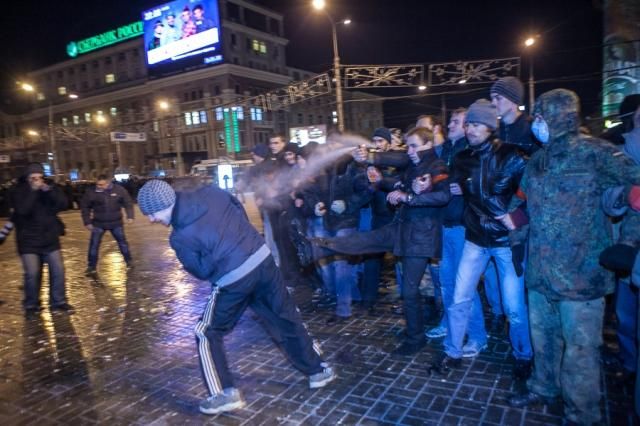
pixel 530 41
pixel 422 87
pixel 73 96
pixel 318 4
pixel 100 119
pixel 163 105
pixel 32 133
pixel 346 21
pixel 463 81
pixel 27 87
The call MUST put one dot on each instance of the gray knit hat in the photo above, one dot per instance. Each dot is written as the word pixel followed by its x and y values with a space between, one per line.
pixel 483 112
pixel 154 196
pixel 382 132
pixel 509 87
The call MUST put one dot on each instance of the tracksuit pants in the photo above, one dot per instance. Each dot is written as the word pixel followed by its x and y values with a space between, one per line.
pixel 264 292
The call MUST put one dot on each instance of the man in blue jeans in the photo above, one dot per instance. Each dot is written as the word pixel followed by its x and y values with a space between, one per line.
pixel 453 243
pixel 487 174
pixel 102 211
pixel 36 204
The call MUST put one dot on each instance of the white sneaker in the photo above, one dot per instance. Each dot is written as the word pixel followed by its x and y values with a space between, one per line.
pixel 437 332
pixel 472 350
pixel 231 399
pixel 322 378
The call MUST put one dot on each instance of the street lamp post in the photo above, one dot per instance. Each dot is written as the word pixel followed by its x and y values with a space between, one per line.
pixel 52 141
pixel 320 5
pixel 529 42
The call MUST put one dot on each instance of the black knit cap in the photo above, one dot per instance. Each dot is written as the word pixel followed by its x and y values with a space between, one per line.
pixel 382 132
pixel 34 168
pixel 510 88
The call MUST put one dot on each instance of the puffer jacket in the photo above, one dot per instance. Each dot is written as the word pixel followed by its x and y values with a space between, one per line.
pixel 103 209
pixel 212 235
pixel 489 175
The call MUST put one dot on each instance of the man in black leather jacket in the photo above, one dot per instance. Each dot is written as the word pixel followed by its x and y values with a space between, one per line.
pixel 487 174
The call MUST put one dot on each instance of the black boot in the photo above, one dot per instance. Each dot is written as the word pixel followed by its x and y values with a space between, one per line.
pixel 444 364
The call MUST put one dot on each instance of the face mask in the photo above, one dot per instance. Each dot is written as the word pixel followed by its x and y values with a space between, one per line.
pixel 540 130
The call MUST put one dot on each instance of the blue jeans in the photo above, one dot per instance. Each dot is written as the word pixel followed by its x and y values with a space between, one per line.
pixel 492 288
pixel 473 262
pixel 627 314
pixel 345 278
pixel 452 246
pixel 32 264
pixel 96 238
pixel 315 228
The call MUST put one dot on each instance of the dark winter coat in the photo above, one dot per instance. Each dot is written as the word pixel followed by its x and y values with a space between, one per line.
pixel 519 134
pixel 454 211
pixel 489 175
pixel 103 209
pixel 211 233
pixel 38 227
pixel 420 218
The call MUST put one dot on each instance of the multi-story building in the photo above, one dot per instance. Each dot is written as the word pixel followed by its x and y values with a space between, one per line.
pixel 185 117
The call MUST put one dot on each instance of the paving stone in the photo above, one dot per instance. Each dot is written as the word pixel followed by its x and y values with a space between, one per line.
pixel 127 356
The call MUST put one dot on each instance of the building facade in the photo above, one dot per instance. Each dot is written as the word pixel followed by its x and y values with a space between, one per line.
pixel 186 117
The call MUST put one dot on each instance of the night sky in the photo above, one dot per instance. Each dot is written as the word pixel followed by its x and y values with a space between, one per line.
pixel 35 34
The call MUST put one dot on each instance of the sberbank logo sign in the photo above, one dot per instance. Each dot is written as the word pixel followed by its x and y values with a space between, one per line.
pixel 108 38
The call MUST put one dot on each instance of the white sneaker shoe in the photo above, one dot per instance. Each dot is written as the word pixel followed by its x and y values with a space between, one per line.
pixel 322 378
pixel 231 399
pixel 436 332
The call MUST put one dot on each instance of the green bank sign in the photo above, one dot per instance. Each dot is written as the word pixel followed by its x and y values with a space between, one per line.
pixel 117 35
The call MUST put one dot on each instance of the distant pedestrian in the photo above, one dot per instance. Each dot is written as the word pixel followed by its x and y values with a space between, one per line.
pixel 215 241
pixel 102 211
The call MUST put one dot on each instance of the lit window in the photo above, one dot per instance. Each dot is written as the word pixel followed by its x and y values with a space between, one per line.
pixel 239 112
pixel 40 96
pixel 187 118
pixel 256 114
pixel 263 47
pixel 110 78
pixel 62 90
pixel 65 122
pixel 195 117
pixel 76 119
pixel 113 111
pixel 156 126
pixel 255 45
pixel 219 114
pixel 203 116
pixel 87 117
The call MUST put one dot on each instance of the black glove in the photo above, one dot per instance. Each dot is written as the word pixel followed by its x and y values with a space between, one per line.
pixel 517 257
pixel 619 257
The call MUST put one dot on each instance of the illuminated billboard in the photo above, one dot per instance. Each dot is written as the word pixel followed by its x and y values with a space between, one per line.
pixel 304 135
pixel 182 34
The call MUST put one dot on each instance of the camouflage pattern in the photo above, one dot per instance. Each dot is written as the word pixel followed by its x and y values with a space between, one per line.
pixel 571 330
pixel 563 184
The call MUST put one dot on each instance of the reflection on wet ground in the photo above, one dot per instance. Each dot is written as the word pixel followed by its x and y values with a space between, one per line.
pixel 127 355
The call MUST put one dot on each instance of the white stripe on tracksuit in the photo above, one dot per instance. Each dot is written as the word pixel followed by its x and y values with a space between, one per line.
pixel 204 349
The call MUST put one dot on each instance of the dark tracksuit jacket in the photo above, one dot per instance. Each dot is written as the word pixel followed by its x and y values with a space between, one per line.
pixel 215 241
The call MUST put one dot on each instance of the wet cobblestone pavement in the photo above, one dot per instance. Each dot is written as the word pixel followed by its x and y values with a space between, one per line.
pixel 127 356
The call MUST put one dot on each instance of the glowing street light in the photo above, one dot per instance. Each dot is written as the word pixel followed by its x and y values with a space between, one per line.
pixel 164 105
pixel 528 43
pixel 32 133
pixel 463 81
pixel 73 96
pixel 422 87
pixel 318 4
pixel 27 87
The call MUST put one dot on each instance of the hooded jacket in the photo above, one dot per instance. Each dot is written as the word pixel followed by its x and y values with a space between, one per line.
pixel 563 185
pixel 212 235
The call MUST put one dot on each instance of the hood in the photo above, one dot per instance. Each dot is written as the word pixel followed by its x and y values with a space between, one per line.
pixel 560 108
pixel 189 208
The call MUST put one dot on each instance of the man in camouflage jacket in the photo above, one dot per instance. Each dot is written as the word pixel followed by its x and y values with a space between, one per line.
pixel 563 184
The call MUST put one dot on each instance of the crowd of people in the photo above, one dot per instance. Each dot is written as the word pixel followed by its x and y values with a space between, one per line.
pixel 516 201
pixel 542 213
